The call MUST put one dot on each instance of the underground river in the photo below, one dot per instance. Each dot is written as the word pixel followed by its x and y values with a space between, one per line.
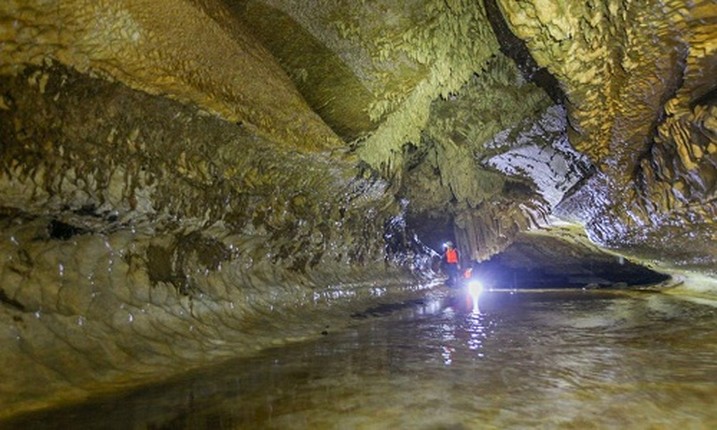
pixel 549 359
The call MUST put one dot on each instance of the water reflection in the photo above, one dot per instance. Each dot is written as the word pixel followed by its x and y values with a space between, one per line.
pixel 465 325
pixel 570 360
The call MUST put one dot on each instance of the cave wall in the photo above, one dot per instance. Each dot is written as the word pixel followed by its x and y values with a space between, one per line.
pixel 639 79
pixel 169 199
pixel 146 236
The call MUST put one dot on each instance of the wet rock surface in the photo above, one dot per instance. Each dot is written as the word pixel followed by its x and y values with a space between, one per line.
pixel 160 247
pixel 191 180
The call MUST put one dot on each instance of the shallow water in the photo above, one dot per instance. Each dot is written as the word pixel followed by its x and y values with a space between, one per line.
pixel 574 359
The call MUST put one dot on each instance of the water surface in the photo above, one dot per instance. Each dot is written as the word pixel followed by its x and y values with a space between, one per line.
pixel 573 359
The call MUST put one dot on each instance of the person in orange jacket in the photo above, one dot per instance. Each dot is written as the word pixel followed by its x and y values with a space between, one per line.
pixel 451 263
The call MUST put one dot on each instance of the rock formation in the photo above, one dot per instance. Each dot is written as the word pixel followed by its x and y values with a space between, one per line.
pixel 189 180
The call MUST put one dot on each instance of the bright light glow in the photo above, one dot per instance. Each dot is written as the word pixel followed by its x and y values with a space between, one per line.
pixel 475 288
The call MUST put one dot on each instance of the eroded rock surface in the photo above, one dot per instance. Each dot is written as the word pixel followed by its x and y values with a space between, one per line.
pixel 188 180
pixel 142 236
pixel 639 80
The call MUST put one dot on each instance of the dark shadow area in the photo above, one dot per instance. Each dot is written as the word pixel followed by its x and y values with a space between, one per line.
pixel 539 261
pixel 63 231
pixel 495 274
pixel 433 232
pixel 709 98
pixel 514 48
pixel 9 301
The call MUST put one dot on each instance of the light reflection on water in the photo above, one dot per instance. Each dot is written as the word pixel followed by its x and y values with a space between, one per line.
pixel 527 360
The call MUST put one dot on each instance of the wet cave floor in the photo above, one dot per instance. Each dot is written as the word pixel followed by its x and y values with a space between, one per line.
pixel 548 359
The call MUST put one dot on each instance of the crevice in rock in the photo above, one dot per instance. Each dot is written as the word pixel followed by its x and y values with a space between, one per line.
pixel 63 231
pixel 515 49
pixel 671 90
pixel 709 98
pixel 4 299
pixel 591 171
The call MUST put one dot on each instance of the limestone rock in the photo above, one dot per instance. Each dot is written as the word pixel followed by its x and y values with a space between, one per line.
pixel 187 180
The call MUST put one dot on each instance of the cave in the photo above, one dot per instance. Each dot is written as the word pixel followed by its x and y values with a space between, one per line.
pixel 187 183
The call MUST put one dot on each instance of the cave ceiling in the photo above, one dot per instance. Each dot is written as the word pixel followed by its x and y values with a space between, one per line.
pixel 499 115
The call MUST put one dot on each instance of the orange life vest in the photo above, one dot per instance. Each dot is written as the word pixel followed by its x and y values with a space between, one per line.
pixel 452 256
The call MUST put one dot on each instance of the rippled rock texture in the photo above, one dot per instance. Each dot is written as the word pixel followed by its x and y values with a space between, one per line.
pixel 194 179
pixel 146 236
pixel 639 80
